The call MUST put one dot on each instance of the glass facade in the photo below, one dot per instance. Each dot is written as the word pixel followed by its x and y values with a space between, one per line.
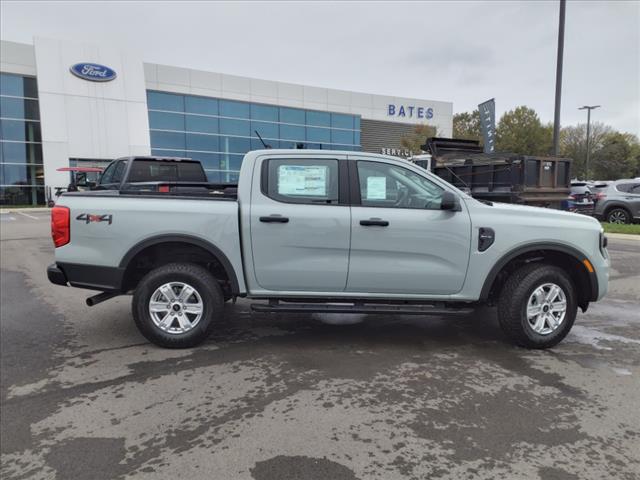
pixel 219 132
pixel 21 171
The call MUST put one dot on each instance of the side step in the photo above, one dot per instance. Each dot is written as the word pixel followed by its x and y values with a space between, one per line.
pixel 276 307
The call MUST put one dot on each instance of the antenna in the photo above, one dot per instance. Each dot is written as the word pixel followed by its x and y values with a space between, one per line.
pixel 263 143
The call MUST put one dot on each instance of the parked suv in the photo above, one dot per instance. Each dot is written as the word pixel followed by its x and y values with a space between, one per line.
pixel 581 199
pixel 619 202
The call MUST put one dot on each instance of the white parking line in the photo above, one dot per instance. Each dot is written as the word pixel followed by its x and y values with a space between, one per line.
pixel 27 215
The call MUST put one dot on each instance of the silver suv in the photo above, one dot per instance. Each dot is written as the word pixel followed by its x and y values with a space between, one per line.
pixel 619 202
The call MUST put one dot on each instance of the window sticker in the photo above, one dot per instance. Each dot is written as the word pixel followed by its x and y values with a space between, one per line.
pixel 310 181
pixel 376 188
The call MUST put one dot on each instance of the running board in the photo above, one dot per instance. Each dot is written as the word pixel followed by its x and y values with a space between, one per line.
pixel 357 308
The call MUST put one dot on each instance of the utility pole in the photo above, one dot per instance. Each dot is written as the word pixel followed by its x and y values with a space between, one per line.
pixel 556 116
pixel 588 109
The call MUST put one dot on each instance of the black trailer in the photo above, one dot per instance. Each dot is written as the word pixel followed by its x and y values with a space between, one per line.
pixel 501 177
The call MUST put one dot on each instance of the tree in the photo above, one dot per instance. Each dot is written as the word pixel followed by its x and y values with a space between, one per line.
pixel 418 137
pixel 573 144
pixel 521 131
pixel 615 157
pixel 466 126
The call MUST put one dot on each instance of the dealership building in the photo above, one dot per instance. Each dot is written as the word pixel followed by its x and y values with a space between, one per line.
pixel 66 104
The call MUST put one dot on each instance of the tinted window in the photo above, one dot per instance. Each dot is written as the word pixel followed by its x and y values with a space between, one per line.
pixel 321 119
pixel 340 120
pixel 291 115
pixel 19 108
pixel 235 127
pixel 13 152
pixel 171 140
pixel 107 175
pixel 118 172
pixel 165 171
pixel 635 189
pixel 196 123
pixel 207 143
pixel 625 187
pixel 165 101
pixel 384 185
pixel 20 130
pixel 166 121
pixel 303 181
pixel 230 108
pixel 206 106
pixel 264 112
pixel 18 86
pixel 291 132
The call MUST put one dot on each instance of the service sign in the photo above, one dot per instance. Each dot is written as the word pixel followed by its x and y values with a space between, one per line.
pixel 93 72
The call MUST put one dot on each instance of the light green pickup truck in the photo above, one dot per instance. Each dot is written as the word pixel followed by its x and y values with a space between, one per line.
pixel 327 231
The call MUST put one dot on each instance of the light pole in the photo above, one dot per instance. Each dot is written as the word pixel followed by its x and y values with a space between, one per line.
pixel 588 109
pixel 556 116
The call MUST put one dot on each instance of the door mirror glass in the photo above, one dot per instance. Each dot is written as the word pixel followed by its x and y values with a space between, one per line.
pixel 449 201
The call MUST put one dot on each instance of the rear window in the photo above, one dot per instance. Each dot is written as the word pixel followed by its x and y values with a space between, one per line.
pixel 166 171
pixel 626 187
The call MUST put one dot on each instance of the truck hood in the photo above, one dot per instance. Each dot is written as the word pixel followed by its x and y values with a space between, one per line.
pixel 540 214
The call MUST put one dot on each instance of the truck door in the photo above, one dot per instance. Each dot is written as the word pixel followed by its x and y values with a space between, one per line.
pixel 401 242
pixel 301 223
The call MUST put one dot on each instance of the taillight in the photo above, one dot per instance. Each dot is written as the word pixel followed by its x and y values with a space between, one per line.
pixel 60 225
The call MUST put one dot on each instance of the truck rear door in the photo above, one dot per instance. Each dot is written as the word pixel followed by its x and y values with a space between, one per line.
pixel 301 223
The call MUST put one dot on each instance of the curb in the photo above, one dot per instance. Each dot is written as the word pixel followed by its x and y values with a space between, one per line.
pixel 25 210
pixel 623 236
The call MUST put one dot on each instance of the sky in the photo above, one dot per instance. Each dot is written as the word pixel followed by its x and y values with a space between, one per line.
pixel 462 52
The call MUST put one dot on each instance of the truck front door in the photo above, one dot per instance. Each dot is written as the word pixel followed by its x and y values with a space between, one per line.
pixel 301 224
pixel 401 242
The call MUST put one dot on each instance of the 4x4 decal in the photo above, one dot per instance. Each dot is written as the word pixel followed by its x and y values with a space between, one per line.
pixel 91 218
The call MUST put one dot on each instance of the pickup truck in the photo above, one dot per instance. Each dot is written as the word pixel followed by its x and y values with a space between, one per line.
pixel 328 231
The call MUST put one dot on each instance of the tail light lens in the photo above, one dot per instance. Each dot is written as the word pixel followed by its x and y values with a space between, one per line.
pixel 60 226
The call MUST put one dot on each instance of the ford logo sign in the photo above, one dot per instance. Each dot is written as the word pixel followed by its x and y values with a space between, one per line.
pixel 93 72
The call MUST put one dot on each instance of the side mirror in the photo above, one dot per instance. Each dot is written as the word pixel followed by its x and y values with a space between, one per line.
pixel 449 201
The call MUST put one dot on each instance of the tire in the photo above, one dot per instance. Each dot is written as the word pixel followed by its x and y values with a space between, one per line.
pixel 520 289
pixel 164 285
pixel 618 215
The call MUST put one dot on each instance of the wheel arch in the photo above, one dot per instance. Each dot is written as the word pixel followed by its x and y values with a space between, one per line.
pixel 189 240
pixel 567 257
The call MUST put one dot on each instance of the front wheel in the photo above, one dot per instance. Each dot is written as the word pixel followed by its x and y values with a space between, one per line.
pixel 537 306
pixel 176 305
pixel 618 215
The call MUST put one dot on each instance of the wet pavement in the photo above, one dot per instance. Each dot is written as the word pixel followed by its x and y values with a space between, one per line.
pixel 84 396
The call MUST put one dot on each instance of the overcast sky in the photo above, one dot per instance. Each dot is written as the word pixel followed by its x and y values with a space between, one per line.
pixel 463 52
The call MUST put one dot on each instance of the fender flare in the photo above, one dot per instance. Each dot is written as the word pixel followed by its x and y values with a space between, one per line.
pixel 556 247
pixel 189 239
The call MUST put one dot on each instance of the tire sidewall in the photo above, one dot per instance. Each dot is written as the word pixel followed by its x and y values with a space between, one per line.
pixel 193 275
pixel 530 283
pixel 627 217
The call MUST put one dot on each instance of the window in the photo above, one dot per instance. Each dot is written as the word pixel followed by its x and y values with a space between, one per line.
pixel 321 135
pixel 302 181
pixel 19 130
pixel 385 185
pixel 291 115
pixel 342 136
pixel 171 140
pixel 229 108
pixel 165 101
pixel 264 112
pixel 635 189
pixel 290 132
pixel 195 123
pixel 207 143
pixel 626 187
pixel 165 171
pixel 320 119
pixel 265 129
pixel 107 175
pixel 118 172
pixel 235 127
pixel 201 105
pixel 166 121
pixel 18 86
pixel 19 108
pixel 340 120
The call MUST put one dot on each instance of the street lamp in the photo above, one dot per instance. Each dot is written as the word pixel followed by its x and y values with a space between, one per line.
pixel 588 108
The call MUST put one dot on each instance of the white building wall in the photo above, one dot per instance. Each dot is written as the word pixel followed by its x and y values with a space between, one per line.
pixel 369 106
pixel 83 119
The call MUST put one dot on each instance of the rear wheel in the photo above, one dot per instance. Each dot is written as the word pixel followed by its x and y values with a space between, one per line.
pixel 618 215
pixel 537 306
pixel 176 305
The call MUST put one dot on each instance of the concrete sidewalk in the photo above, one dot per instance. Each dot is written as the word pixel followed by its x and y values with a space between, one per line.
pixel 25 210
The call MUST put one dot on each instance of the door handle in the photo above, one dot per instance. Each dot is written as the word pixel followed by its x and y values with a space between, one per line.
pixel 274 219
pixel 374 222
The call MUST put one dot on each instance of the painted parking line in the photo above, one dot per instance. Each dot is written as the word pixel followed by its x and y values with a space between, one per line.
pixel 28 216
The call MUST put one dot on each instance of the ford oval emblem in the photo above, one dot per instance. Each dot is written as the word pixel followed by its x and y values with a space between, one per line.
pixel 93 72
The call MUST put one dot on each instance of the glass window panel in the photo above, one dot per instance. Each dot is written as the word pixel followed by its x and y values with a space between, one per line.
pixel 213 176
pixel 166 121
pixel 207 143
pixel 266 130
pixel 13 152
pixel 287 144
pixel 342 136
pixel 208 160
pixel 229 108
pixel 168 153
pixel 341 120
pixel 235 127
pixel 22 196
pixel 356 137
pixel 197 123
pixel 23 131
pixel 18 86
pixel 205 106
pixel 291 132
pixel 303 181
pixel 356 122
pixel 235 144
pixel 230 177
pixel 292 115
pixel 231 162
pixel 315 134
pixel 172 140
pixel 264 112
pixel 19 108
pixel 165 101
pixel 21 174
pixel 316 146
pixel 321 119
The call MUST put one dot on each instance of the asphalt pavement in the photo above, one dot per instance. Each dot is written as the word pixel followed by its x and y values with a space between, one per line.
pixel 84 396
